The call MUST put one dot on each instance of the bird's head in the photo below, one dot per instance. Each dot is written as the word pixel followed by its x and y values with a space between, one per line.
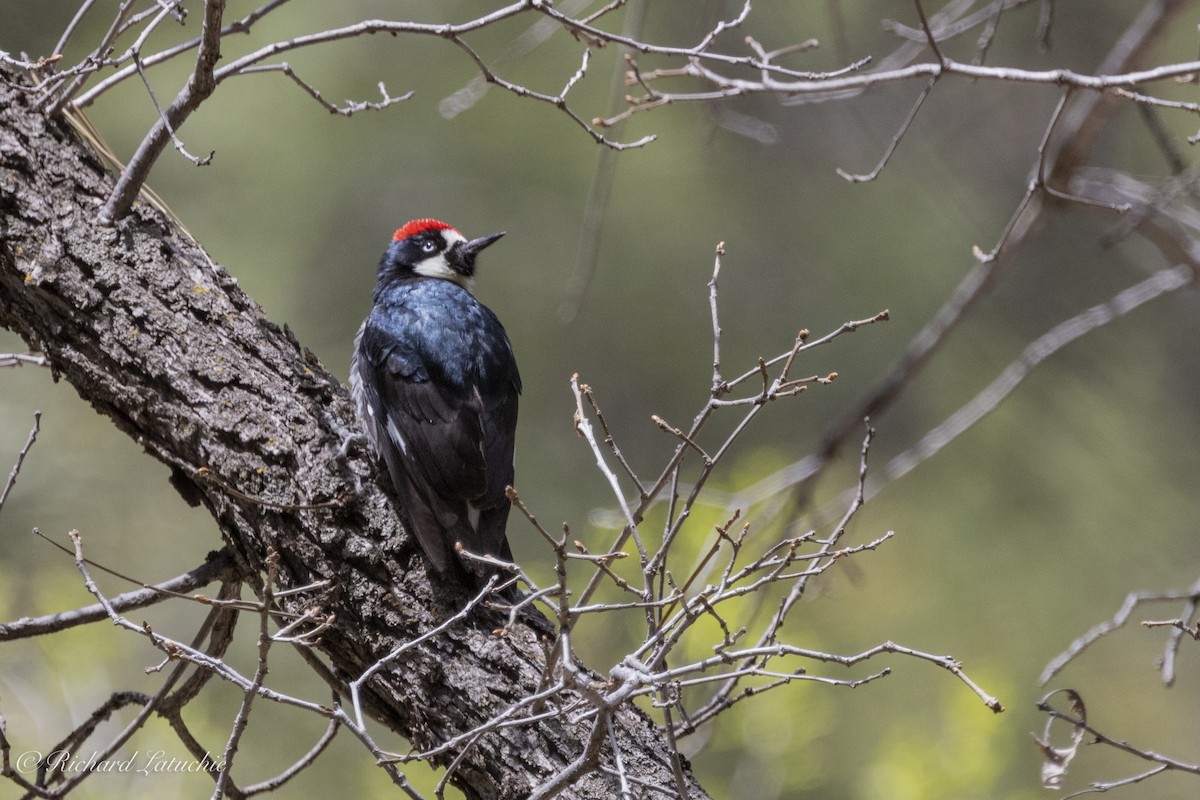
pixel 433 249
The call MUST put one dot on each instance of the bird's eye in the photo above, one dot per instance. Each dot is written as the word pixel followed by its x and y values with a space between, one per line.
pixel 428 246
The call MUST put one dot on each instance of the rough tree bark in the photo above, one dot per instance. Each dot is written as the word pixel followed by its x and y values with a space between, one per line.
pixel 159 338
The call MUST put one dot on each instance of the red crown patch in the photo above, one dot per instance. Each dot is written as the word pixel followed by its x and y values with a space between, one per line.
pixel 419 226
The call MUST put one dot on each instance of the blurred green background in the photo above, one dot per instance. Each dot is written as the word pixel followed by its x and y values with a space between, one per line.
pixel 1009 544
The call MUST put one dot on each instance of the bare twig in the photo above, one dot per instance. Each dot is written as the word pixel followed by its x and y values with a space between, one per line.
pixel 891 148
pixel 205 474
pixel 178 650
pixel 198 88
pixel 1161 762
pixel 610 441
pixel 21 359
pixel 1160 283
pixel 98 54
pixel 1130 604
pixel 929 35
pixel 356 686
pixel 351 107
pixel 16 469
pixel 72 25
pixel 242 718
pixel 584 428
pixel 242 26
pixel 213 569
pixel 305 761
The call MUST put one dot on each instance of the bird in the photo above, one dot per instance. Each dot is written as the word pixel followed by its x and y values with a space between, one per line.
pixel 435 383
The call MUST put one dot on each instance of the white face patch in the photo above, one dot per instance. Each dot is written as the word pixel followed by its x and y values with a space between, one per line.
pixel 436 265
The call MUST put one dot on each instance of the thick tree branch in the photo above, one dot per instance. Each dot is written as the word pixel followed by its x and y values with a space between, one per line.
pixel 159 338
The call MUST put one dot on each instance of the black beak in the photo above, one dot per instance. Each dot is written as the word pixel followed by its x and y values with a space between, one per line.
pixel 475 245
pixel 462 256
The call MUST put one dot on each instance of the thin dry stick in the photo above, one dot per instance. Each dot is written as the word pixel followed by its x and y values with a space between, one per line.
pixel 1128 606
pixel 305 761
pixel 242 26
pixel 199 598
pixel 348 110
pixel 102 47
pixel 798 587
pixel 1097 737
pixel 199 87
pixel 242 718
pixel 601 186
pixel 21 359
pixel 584 428
pixel 175 649
pixel 891 148
pixel 214 569
pixel 718 384
pixel 356 686
pixel 610 441
pixel 16 469
pixel 1046 345
pixel 72 25
pixel 135 724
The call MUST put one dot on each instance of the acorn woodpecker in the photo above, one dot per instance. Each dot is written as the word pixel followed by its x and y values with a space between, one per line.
pixel 436 385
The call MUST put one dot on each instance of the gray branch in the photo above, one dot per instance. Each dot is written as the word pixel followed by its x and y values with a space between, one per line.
pixel 162 341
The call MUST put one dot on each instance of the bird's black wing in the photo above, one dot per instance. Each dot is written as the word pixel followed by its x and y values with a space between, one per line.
pixel 447 444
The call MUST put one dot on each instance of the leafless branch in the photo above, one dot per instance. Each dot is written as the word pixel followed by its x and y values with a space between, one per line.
pixel 1078 720
pixel 21 359
pixel 16 468
pixel 671 610
pixel 891 148
pixel 242 718
pixel 1067 133
pixel 213 569
pixel 351 107
pixel 242 26
pixel 168 704
pixel 301 764
pixel 178 650
pixel 355 686
pixel 198 88
pixel 80 13
pixel 97 56
pixel 1132 600
pixel 706 61
pixel 724 589
pixel 1162 282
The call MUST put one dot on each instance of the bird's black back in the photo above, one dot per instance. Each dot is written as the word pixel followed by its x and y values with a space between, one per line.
pixel 437 385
